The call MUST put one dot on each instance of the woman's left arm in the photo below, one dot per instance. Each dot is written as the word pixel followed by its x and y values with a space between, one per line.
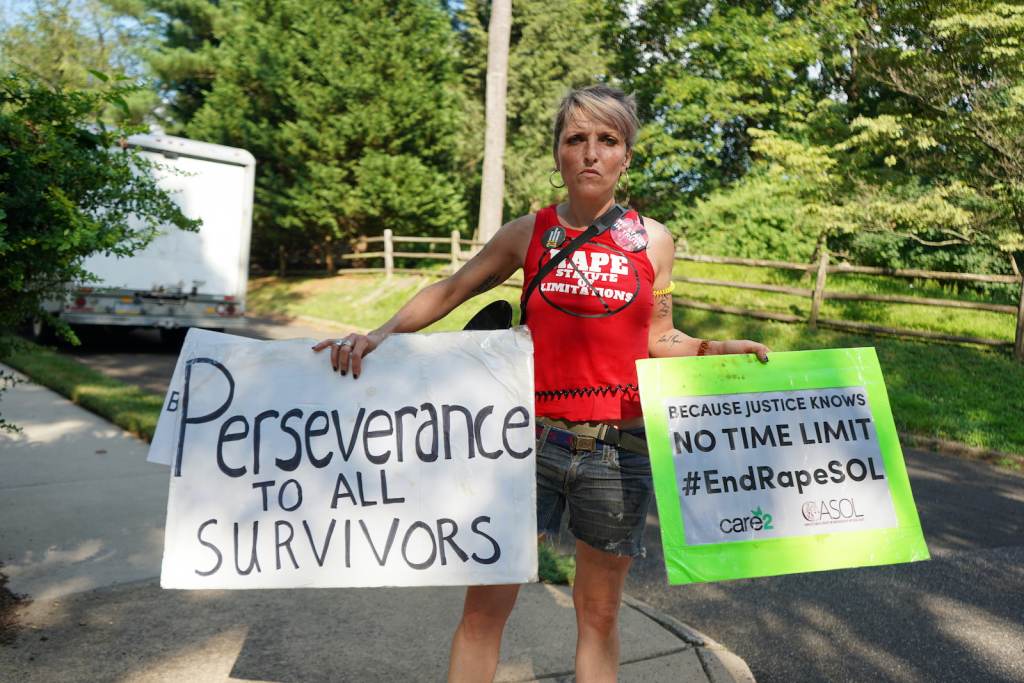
pixel 665 340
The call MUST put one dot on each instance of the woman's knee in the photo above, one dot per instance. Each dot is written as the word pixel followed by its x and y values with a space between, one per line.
pixel 600 615
pixel 597 592
pixel 487 608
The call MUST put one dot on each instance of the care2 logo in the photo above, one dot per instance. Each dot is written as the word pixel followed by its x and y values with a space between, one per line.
pixel 765 517
pixel 758 520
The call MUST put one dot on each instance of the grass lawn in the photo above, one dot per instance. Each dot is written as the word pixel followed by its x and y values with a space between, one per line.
pixel 364 301
pixel 126 405
pixel 971 395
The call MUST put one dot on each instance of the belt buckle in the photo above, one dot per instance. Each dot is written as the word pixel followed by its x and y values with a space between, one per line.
pixel 583 443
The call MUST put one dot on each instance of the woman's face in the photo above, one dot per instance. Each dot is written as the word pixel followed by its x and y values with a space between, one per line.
pixel 591 156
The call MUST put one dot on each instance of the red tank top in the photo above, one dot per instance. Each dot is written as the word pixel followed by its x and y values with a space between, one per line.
pixel 589 319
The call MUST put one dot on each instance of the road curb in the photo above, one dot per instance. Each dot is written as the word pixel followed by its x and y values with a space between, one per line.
pixel 721 665
pixel 956 449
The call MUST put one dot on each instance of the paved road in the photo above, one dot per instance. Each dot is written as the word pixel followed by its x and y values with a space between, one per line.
pixel 81 531
pixel 959 616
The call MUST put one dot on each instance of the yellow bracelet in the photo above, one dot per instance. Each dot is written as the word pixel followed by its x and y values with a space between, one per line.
pixel 668 290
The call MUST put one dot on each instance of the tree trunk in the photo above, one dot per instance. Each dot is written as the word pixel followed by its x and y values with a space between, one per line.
pixel 493 183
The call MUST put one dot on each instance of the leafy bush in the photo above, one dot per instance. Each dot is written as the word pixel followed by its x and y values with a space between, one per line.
pixel 890 250
pixel 755 218
pixel 68 186
pixel 553 566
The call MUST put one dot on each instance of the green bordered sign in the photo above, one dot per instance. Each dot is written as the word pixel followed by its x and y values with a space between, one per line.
pixel 777 468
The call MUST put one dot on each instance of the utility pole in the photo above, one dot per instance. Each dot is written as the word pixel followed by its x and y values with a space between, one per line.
pixel 492 187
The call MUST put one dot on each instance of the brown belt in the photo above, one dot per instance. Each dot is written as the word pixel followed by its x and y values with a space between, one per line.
pixel 587 433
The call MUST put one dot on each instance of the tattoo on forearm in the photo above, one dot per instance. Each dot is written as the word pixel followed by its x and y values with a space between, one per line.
pixel 671 339
pixel 490 282
pixel 664 306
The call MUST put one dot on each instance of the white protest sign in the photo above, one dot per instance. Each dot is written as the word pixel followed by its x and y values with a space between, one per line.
pixel 774 453
pixel 161 448
pixel 284 474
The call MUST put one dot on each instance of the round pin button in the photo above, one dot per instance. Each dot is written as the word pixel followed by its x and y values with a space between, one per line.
pixel 554 237
pixel 629 233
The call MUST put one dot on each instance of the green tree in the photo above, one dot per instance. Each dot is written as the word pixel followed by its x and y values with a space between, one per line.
pixel 64 43
pixel 67 190
pixel 351 112
pixel 922 168
pixel 49 40
pixel 179 40
pixel 853 195
pixel 707 72
pixel 955 72
pixel 760 216
pixel 891 130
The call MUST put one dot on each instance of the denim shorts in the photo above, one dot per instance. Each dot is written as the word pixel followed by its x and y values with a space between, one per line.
pixel 607 491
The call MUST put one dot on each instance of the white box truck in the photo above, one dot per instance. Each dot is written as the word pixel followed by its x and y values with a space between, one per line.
pixel 181 279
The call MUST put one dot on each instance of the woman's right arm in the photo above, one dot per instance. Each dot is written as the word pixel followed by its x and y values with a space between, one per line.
pixel 496 261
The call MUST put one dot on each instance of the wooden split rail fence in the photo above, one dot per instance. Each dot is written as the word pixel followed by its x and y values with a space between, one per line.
pixel 818 294
pixel 458 252
pixel 454 255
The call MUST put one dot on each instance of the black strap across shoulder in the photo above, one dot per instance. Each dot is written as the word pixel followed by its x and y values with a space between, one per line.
pixel 603 223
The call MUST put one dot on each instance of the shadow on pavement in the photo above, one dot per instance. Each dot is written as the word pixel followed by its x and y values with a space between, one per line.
pixel 956 617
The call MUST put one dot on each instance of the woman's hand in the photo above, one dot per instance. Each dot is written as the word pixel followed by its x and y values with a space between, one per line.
pixel 730 346
pixel 350 349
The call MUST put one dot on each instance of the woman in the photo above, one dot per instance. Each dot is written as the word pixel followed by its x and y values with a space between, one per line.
pixel 591 317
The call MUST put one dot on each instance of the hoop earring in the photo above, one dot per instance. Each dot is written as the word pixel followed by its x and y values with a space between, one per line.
pixel 625 178
pixel 551 180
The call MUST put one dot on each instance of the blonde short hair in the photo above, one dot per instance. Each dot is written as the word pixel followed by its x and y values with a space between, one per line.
pixel 602 103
